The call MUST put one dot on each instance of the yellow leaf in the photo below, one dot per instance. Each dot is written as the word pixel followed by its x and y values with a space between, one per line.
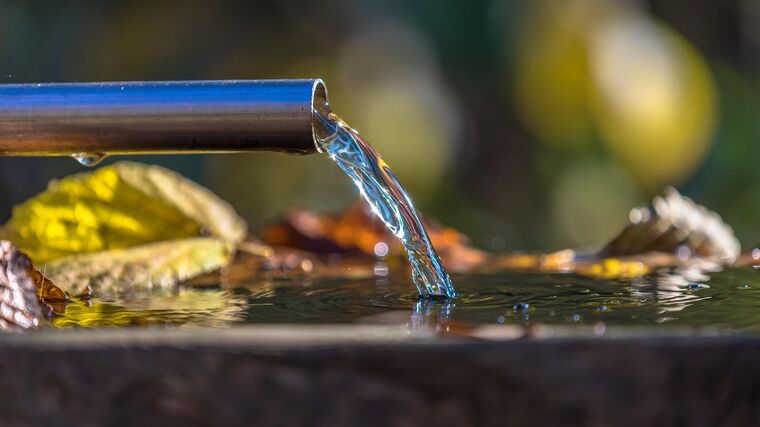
pixel 613 268
pixel 141 268
pixel 119 206
pixel 125 228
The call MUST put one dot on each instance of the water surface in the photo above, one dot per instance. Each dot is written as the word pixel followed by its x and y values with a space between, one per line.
pixel 728 299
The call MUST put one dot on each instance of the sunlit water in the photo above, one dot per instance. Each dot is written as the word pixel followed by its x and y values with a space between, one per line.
pixel 729 300
pixel 388 200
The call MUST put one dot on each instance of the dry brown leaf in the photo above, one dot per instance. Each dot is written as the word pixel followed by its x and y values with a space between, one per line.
pixel 19 307
pixel 675 223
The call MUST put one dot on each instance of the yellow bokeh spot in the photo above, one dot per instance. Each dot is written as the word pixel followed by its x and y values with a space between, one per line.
pixel 655 100
pixel 600 70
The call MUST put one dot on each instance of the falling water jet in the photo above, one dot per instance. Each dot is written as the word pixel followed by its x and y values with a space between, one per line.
pixel 388 200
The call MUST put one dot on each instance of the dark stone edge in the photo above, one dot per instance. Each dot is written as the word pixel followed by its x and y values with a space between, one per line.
pixel 370 375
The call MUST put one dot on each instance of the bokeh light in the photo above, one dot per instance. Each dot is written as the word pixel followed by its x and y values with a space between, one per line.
pixel 655 101
pixel 391 92
pixel 593 70
pixel 590 203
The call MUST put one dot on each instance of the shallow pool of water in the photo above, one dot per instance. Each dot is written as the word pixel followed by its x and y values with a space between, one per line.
pixel 729 299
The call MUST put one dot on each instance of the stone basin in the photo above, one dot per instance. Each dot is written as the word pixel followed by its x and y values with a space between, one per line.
pixel 352 375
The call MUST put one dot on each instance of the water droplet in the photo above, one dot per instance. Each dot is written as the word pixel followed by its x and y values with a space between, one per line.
pixel 575 317
pixel 602 308
pixel 89 159
pixel 500 319
pixel 744 286
pixel 696 286
pixel 521 306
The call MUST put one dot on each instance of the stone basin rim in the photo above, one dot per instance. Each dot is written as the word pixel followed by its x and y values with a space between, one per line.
pixel 364 335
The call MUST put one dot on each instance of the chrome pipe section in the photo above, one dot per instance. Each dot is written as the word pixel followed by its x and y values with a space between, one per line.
pixel 61 119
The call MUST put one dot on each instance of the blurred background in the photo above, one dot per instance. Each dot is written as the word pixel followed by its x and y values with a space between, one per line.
pixel 533 124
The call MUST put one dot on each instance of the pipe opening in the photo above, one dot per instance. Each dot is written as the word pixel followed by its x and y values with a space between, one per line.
pixel 320 106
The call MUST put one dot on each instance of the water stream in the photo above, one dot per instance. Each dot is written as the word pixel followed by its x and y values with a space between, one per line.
pixel 388 200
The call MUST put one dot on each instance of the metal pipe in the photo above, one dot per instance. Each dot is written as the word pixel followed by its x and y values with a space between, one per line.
pixel 63 119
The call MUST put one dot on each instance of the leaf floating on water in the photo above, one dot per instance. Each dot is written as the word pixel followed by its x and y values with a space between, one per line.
pixel 674 232
pixel 612 268
pixel 556 261
pixel 19 308
pixel 119 206
pixel 566 261
pixel 141 268
pixel 673 223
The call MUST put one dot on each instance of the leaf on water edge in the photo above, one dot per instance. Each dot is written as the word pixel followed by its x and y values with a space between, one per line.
pixel 141 268
pixel 612 268
pixel 654 239
pixel 47 291
pixel 119 206
pixel 555 261
pixel 19 307
pixel 673 223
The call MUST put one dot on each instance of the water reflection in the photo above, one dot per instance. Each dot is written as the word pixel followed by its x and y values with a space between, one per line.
pixel 673 290
pixel 187 307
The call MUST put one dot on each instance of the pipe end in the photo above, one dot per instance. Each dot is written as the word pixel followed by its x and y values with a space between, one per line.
pixel 320 107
